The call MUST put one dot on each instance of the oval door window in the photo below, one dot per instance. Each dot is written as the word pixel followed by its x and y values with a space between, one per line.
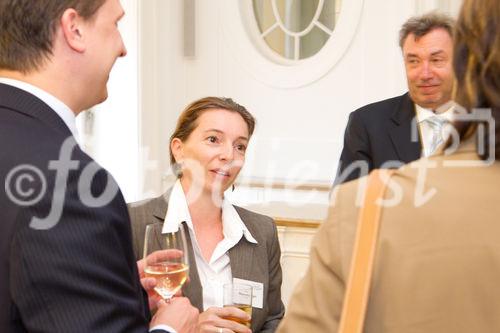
pixel 296 29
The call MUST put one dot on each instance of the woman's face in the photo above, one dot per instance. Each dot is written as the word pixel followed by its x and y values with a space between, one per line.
pixel 214 152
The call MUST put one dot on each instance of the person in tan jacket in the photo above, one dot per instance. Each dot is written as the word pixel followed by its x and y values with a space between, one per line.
pixel 437 262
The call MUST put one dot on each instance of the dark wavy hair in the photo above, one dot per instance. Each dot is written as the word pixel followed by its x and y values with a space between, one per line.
pixel 420 26
pixel 27 29
pixel 477 63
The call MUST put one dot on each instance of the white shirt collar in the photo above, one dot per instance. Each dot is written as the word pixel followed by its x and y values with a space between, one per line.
pixel 62 110
pixel 177 211
pixel 232 225
pixel 447 113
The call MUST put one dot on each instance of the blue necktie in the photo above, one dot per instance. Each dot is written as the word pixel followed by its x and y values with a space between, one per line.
pixel 437 124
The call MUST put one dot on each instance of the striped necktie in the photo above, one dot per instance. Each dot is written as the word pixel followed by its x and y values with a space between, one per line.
pixel 436 123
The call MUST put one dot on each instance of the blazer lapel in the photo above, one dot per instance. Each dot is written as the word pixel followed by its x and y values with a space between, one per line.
pixel 161 206
pixel 241 257
pixel 404 134
pixel 192 289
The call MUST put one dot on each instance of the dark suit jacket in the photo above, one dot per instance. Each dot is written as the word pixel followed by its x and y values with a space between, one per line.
pixel 256 262
pixel 378 133
pixel 80 275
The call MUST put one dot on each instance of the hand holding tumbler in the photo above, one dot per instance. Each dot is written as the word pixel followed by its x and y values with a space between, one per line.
pixel 239 296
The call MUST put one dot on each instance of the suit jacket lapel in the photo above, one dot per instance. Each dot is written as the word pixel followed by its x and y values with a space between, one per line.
pixel 241 257
pixel 160 206
pixel 406 143
pixel 191 289
pixel 22 101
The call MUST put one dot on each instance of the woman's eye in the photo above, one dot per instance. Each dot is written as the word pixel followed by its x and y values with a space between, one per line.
pixel 241 147
pixel 212 139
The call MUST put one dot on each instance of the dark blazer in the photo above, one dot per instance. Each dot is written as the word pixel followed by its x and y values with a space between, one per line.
pixel 79 275
pixel 378 133
pixel 255 262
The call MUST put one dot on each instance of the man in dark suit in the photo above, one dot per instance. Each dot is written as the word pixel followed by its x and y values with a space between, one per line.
pixel 66 257
pixel 392 132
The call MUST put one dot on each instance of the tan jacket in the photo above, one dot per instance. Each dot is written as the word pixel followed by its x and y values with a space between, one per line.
pixel 437 267
pixel 255 262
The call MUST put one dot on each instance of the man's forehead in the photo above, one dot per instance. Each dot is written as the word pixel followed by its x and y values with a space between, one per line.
pixel 113 8
pixel 435 41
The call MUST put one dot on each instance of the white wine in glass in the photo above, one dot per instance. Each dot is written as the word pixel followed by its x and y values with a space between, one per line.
pixel 166 258
pixel 239 296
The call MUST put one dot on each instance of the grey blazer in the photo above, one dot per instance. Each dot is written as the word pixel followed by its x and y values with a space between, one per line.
pixel 256 262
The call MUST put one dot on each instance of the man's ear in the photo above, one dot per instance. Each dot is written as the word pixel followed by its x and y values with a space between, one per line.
pixel 176 149
pixel 72 27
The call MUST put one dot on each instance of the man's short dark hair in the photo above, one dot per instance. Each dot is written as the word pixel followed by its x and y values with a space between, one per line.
pixel 422 25
pixel 27 29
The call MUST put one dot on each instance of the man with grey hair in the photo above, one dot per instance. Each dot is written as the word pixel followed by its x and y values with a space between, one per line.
pixel 399 130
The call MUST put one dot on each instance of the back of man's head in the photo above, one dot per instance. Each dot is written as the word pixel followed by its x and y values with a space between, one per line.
pixel 421 25
pixel 27 29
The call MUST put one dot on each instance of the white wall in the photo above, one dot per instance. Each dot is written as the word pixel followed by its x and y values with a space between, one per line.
pixel 300 130
pixel 299 133
pixel 113 137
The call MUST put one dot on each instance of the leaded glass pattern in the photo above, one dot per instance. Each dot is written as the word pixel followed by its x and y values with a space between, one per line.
pixel 296 29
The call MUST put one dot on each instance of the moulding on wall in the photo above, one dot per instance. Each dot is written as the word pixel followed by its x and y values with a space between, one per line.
pixel 295 255
pixel 293 223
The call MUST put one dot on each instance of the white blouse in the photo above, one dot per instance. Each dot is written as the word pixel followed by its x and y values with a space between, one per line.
pixel 216 272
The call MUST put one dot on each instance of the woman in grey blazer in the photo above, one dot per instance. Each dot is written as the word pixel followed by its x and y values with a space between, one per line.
pixel 207 151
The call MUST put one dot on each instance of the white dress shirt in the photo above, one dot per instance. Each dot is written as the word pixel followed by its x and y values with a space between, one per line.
pixel 61 109
pixel 425 129
pixel 217 271
pixel 167 328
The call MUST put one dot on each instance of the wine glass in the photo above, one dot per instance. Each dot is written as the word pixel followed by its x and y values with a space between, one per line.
pixel 166 259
